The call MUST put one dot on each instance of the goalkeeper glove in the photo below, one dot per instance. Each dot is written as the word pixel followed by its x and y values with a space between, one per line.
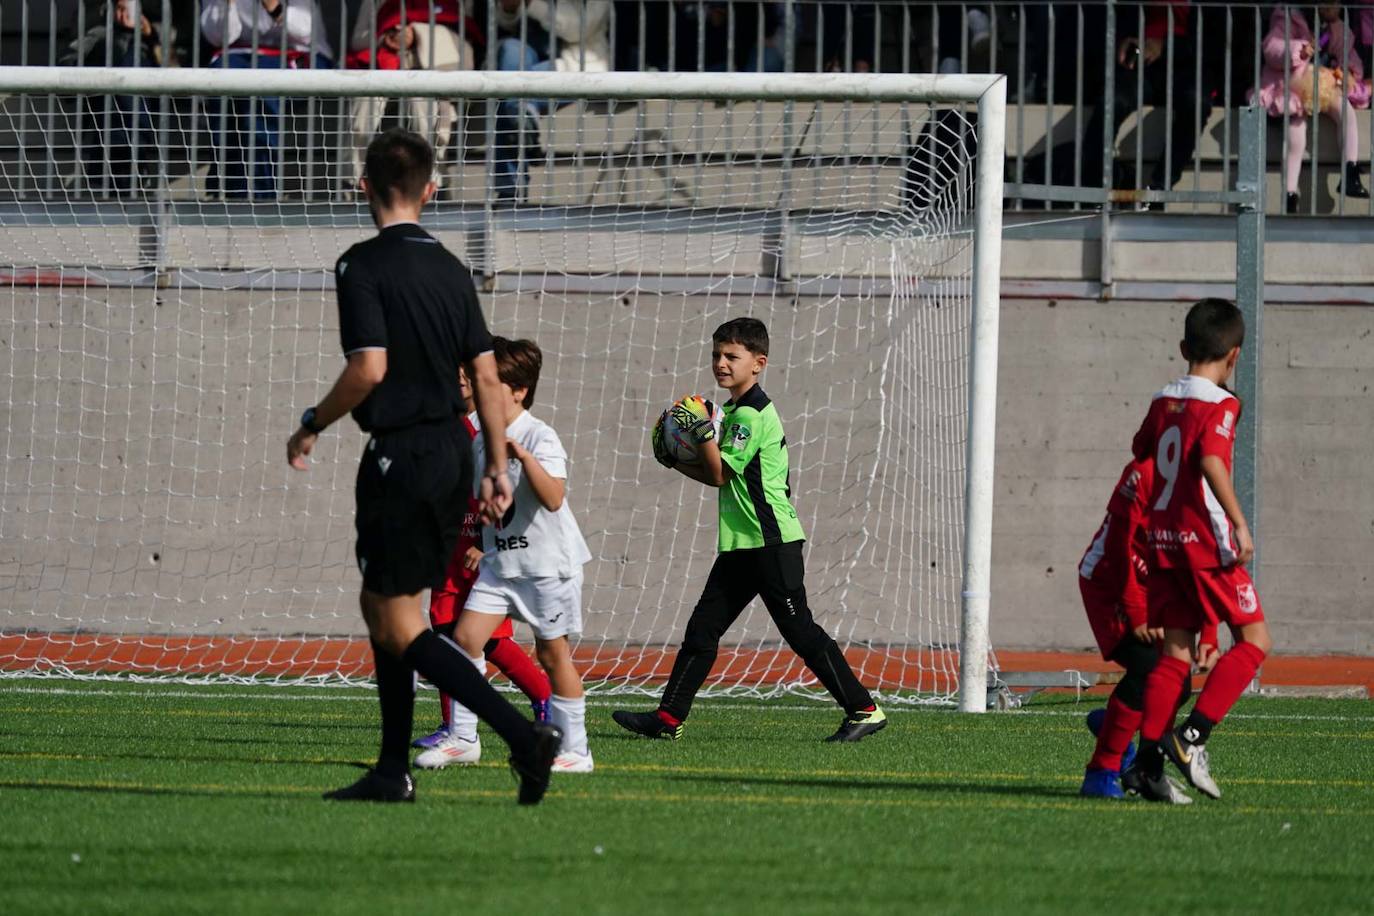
pixel 694 415
pixel 661 453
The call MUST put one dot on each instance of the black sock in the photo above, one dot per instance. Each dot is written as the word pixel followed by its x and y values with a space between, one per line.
pixel 1197 728
pixel 396 692
pixel 1150 759
pixel 446 667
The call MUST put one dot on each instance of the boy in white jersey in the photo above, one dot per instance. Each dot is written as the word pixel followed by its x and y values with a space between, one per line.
pixel 532 562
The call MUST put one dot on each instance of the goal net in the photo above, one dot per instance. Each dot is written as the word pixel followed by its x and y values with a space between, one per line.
pixel 167 311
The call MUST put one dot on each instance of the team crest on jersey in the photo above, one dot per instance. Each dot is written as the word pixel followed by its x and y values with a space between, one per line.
pixel 1245 598
pixel 1177 406
pixel 1228 420
pixel 739 434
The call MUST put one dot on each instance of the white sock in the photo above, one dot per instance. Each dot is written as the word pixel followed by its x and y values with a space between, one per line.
pixel 571 717
pixel 462 722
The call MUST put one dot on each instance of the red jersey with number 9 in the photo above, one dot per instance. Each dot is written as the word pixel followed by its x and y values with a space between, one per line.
pixel 1188 420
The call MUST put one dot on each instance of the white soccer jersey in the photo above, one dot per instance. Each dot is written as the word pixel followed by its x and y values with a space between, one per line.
pixel 531 541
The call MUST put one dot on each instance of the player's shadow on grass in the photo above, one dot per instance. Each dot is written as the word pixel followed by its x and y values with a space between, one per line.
pixel 162 791
pixel 1020 790
pixel 206 738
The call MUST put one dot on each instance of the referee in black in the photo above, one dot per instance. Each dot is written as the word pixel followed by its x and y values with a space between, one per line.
pixel 408 316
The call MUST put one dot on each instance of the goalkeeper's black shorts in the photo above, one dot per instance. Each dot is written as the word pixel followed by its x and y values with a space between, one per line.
pixel 412 493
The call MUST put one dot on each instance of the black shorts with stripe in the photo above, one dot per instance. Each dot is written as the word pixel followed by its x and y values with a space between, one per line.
pixel 412 493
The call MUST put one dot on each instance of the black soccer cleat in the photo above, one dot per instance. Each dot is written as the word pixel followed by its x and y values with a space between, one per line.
pixel 859 725
pixel 647 725
pixel 1152 787
pixel 375 787
pixel 532 770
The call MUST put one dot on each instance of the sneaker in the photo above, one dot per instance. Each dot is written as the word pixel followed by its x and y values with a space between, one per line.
pixel 452 749
pixel 1160 788
pixel 376 787
pixel 1291 203
pixel 1191 760
pixel 859 725
pixel 541 710
pixel 573 762
pixel 432 739
pixel 532 770
pixel 1101 784
pixel 1094 721
pixel 647 725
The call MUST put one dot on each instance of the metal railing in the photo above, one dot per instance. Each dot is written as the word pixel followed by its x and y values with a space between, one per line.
pixel 1087 126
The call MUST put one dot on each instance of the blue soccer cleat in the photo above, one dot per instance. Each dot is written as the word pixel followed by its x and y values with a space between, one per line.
pixel 432 740
pixel 1094 721
pixel 1101 784
pixel 541 710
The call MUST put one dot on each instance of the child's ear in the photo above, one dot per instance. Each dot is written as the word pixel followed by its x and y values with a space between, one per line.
pixel 760 362
pixel 1183 349
pixel 1232 358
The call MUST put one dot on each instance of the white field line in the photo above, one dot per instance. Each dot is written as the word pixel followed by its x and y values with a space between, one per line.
pixel 368 697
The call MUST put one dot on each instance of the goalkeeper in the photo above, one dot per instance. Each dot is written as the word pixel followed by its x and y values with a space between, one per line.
pixel 760 542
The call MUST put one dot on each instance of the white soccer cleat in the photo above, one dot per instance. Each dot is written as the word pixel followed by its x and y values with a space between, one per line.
pixel 452 750
pixel 1191 759
pixel 573 762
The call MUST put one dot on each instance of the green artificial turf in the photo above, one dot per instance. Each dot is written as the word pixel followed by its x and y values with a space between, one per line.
pixel 122 798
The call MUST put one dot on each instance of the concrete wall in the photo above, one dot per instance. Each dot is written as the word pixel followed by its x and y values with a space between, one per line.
pixel 144 487
pixel 1076 379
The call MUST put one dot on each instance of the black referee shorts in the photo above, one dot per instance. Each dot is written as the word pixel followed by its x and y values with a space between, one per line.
pixel 412 492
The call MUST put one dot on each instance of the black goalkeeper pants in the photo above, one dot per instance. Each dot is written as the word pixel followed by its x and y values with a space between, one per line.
pixel 776 574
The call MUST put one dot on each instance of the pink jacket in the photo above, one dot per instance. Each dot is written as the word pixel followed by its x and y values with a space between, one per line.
pixel 1282 52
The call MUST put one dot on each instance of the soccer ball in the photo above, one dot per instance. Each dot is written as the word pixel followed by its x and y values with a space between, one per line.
pixel 679 444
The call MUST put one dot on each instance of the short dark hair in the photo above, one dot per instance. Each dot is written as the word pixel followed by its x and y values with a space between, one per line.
pixel 517 364
pixel 749 333
pixel 1212 329
pixel 399 164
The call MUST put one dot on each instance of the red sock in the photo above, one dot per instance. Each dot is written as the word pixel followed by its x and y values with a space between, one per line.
pixel 1162 688
pixel 1119 726
pixel 521 669
pixel 446 708
pixel 1228 680
pixel 669 719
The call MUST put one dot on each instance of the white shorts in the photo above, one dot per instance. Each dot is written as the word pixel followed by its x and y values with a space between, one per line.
pixel 550 605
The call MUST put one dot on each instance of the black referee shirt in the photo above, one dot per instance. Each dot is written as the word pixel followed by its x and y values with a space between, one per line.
pixel 403 292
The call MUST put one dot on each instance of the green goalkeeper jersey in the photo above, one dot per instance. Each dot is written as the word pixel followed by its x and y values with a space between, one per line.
pixel 755 504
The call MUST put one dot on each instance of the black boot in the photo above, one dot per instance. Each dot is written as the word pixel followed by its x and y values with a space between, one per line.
pixel 1352 185
pixel 1290 202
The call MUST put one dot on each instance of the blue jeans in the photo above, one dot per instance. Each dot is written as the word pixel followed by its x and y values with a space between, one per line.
pixel 513 54
pixel 257 116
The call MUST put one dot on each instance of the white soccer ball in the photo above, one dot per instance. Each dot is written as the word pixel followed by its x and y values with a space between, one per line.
pixel 679 444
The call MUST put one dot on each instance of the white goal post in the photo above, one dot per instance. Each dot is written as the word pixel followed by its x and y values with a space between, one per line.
pixel 863 256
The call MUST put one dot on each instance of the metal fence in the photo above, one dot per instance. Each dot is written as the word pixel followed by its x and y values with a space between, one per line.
pixel 1110 103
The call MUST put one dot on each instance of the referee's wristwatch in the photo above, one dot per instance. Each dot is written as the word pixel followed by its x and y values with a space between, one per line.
pixel 308 422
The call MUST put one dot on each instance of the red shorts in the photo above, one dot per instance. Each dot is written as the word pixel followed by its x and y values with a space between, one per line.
pixel 446 603
pixel 1106 615
pixel 1189 599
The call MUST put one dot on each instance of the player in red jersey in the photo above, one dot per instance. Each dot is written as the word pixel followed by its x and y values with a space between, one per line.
pixel 1111 579
pixel 442 747
pixel 1200 543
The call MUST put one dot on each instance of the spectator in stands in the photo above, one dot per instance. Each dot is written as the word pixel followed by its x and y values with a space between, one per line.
pixel 955 18
pixel 846 35
pixel 257 34
pixel 411 35
pixel 569 36
pixel 1290 86
pixel 1146 59
pixel 122 34
pixel 705 33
